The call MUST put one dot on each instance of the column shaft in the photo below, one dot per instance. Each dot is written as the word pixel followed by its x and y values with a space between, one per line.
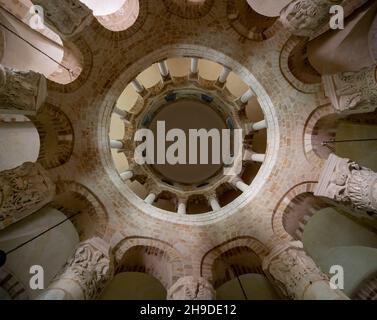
pixel 85 275
pixel 347 182
pixel 296 275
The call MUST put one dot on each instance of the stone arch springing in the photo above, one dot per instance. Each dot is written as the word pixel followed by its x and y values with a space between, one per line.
pixel 298 72
pixel 278 216
pixel 73 198
pixel 121 25
pixel 324 125
pixel 151 256
pixel 246 245
pixel 56 136
pixel 250 24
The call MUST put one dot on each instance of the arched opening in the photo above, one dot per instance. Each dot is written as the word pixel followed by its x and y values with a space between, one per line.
pixel 248 22
pixel 115 15
pixel 353 137
pixel 29 242
pixel 85 211
pixel 56 136
pixel 352 246
pixel 238 275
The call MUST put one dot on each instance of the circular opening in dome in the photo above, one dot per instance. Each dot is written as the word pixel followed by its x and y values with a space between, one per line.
pixel 190 116
pixel 190 93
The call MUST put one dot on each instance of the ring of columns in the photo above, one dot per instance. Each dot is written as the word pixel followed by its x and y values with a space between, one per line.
pixel 232 107
pixel 182 250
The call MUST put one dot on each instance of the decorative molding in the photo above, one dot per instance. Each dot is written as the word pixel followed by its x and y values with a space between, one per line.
pixel 347 182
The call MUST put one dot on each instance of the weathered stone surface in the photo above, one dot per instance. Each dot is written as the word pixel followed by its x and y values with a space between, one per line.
pixel 21 92
pixel 66 17
pixel 23 191
pixel 85 275
pixel 352 92
pixel 191 288
pixel 305 17
pixel 296 275
pixel 345 181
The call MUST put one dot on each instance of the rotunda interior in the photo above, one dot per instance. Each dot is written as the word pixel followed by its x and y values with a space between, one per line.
pixel 188 150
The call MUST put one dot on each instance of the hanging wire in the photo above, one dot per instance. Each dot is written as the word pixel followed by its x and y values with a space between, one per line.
pixel 333 141
pixel 5 254
pixel 70 72
pixel 239 282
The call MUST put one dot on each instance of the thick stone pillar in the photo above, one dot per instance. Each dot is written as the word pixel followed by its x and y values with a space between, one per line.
pixel 352 92
pixel 23 190
pixel 21 92
pixel 347 182
pixel 296 275
pixel 191 288
pixel 85 275
pixel 66 17
pixel 305 17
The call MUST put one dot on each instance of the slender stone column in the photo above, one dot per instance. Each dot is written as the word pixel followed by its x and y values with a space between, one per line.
pixel 139 88
pixel 127 175
pixel 259 125
pixel 258 157
pixel 23 191
pixel 191 288
pixel 194 69
pixel 224 75
pixel 247 96
pixel 85 275
pixel 21 92
pixel 213 201
pixel 240 185
pixel 296 275
pixel 181 206
pixel 150 198
pixel 66 17
pixel 305 17
pixel 352 92
pixel 163 67
pixel 116 144
pixel 121 113
pixel 347 182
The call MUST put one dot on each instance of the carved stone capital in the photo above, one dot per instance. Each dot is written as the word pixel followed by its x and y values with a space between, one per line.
pixel 305 17
pixel 296 275
pixel 23 190
pixel 66 17
pixel 352 92
pixel 345 181
pixel 85 275
pixel 21 92
pixel 191 288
